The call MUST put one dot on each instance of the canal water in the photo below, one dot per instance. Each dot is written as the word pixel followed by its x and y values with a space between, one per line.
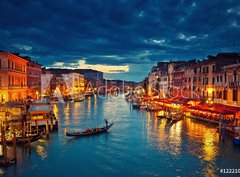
pixel 137 145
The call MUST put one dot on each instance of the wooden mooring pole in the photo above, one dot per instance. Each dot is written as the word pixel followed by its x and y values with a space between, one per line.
pixel 14 147
pixel 47 129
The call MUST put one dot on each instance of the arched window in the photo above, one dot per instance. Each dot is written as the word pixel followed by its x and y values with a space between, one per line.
pixel 235 94
pixel 225 76
pixel 225 94
pixel 220 95
pixel 235 76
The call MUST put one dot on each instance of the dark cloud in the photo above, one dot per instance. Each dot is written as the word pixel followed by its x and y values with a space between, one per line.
pixel 135 33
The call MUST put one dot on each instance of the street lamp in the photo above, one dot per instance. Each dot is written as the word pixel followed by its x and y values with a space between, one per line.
pixel 37 93
pixel 209 102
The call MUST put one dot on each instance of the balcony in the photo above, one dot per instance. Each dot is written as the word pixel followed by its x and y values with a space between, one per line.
pixel 221 84
pixel 12 87
pixel 234 84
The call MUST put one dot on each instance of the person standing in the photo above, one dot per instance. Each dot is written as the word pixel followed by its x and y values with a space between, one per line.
pixel 106 122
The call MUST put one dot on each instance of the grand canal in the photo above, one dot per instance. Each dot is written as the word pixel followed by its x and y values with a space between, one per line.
pixel 137 145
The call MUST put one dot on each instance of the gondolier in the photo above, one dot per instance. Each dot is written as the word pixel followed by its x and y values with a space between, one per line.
pixel 106 122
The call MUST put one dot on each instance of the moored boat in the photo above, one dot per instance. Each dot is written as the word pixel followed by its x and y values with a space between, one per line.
pixel 79 98
pixel 89 93
pixel 236 140
pixel 24 140
pixel 136 106
pixel 161 116
pixel 177 118
pixel 95 131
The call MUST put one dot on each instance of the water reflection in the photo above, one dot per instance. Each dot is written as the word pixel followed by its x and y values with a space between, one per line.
pixel 139 144
pixel 163 133
pixel 41 152
pixel 205 138
pixel 199 140
pixel 175 138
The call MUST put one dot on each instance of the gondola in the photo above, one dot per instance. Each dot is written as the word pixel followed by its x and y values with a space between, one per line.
pixel 27 139
pixel 176 119
pixel 93 132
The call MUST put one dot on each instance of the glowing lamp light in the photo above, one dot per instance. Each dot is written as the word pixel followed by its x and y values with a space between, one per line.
pixel 209 90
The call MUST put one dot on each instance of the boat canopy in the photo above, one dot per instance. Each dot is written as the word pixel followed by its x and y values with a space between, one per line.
pixel 41 102
pixel 40 109
pixel 213 110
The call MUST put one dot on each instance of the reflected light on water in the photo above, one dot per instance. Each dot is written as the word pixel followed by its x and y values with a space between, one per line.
pixel 138 143
pixel 209 148
pixel 2 171
pixel 175 138
pixel 55 110
pixel 206 147
pixel 206 139
pixel 41 152
pixel 89 105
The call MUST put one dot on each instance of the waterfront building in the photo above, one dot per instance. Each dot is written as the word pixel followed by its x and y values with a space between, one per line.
pixel 158 80
pixel 214 79
pixel 145 85
pixel 190 84
pixel 67 82
pixel 34 73
pixel 178 80
pixel 13 77
pixel 229 92
pixel 92 77
pixel 214 76
pixel 74 82
pixel 151 81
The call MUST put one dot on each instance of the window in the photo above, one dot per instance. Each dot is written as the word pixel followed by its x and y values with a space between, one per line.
pixel 195 79
pixel 205 81
pixel 235 94
pixel 221 78
pixel 213 80
pixel 220 95
pixel 225 77
pixel 235 76
pixel 195 70
pixel 9 80
pixel 207 69
pixel 189 79
pixel 9 63
pixel 225 94
pixel 213 68
pixel 0 63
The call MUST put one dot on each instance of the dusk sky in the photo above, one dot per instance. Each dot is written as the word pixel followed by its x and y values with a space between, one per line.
pixel 122 38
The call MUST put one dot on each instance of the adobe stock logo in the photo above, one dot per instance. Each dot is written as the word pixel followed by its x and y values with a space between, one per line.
pixel 68 86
